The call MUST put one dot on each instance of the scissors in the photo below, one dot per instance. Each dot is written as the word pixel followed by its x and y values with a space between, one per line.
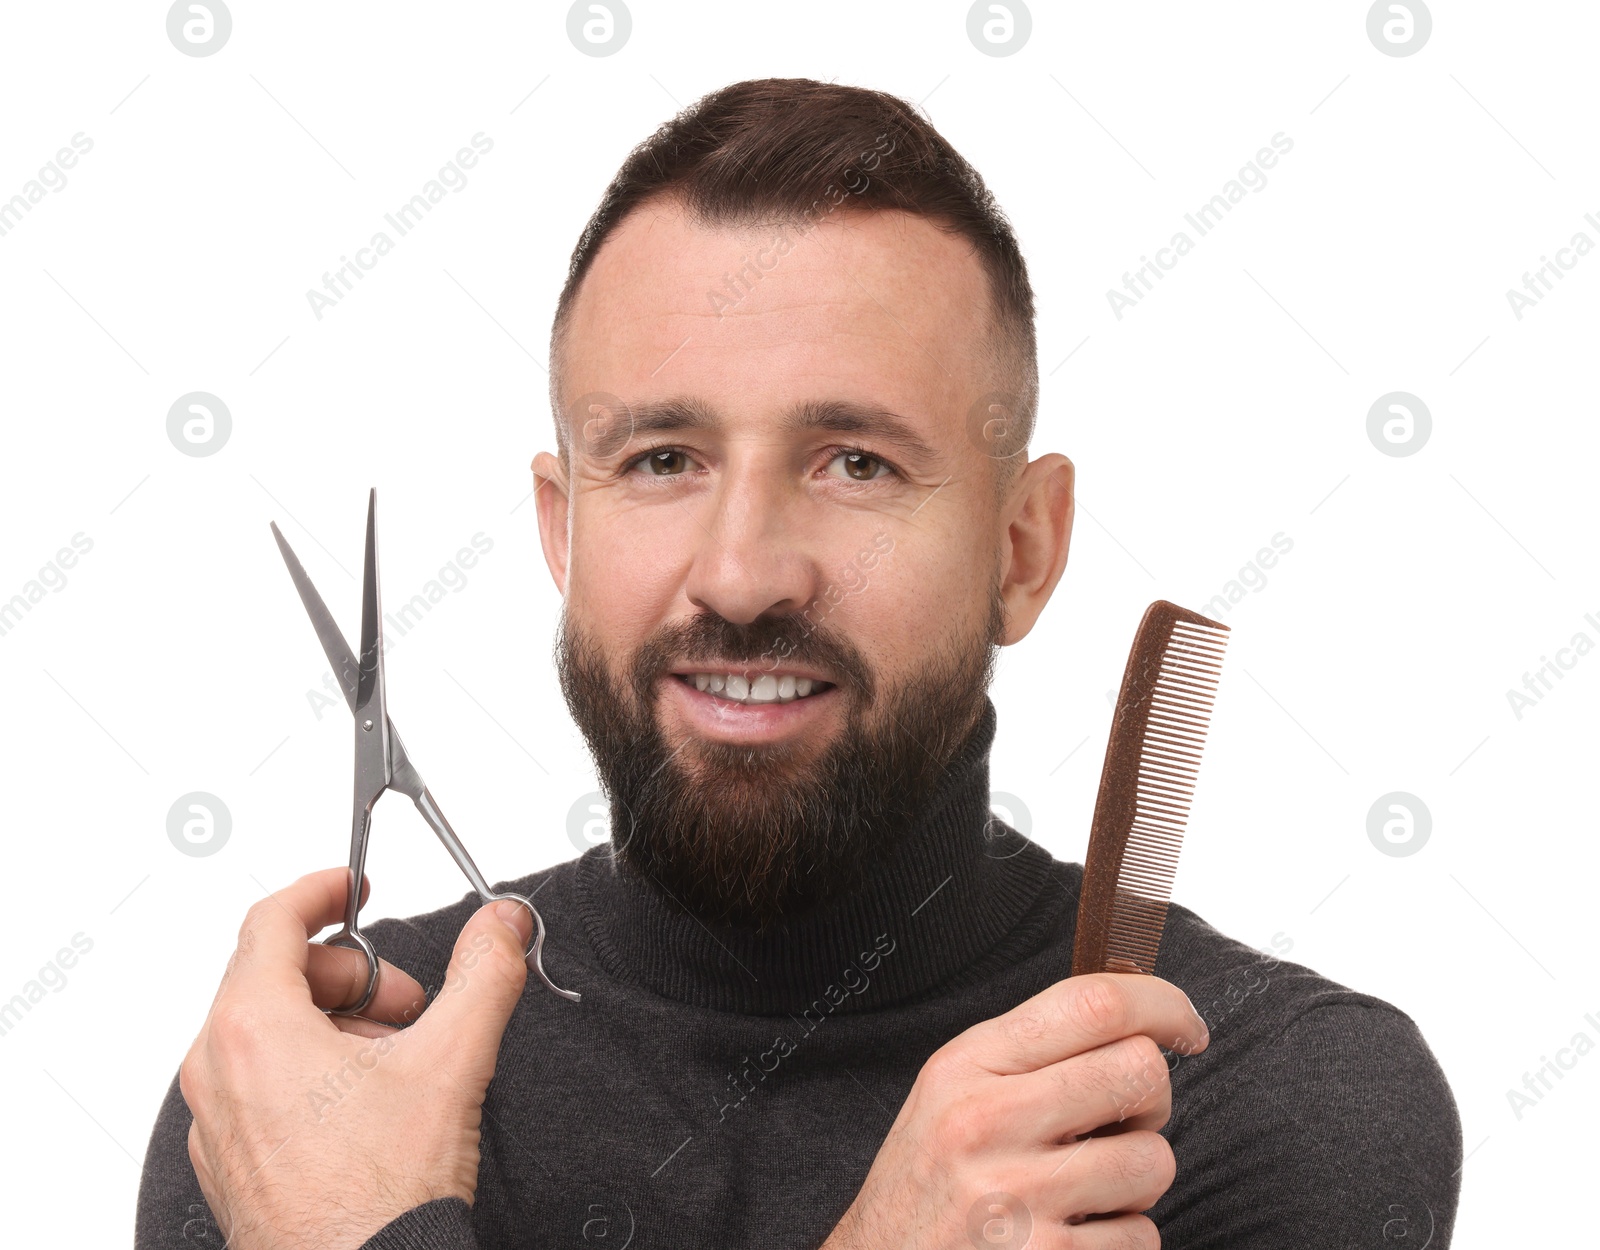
pixel 381 759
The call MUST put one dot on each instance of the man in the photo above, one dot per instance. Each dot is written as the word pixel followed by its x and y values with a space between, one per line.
pixel 791 518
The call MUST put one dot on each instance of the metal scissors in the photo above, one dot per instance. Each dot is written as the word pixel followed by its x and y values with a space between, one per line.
pixel 381 759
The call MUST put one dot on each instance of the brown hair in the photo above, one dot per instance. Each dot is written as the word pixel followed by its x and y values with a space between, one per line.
pixel 782 151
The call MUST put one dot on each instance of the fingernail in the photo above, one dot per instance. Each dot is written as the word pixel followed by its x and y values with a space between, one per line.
pixel 512 915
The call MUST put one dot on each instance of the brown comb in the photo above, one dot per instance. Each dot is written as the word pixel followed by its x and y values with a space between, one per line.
pixel 1157 734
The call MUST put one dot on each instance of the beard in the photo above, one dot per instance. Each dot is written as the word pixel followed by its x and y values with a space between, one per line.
pixel 754 834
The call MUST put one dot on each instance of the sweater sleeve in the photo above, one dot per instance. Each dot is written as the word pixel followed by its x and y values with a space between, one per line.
pixel 443 1224
pixel 1340 1132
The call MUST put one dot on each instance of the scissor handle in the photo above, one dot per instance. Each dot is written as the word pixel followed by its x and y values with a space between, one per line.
pixel 535 952
pixel 356 940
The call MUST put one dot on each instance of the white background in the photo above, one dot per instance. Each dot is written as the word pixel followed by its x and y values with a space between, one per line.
pixel 1229 406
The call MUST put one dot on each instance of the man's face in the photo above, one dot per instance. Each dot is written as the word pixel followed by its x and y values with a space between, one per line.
pixel 757 551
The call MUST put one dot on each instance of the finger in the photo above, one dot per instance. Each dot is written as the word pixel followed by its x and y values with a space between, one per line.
pixel 1079 1014
pixel 1108 1176
pixel 247 945
pixel 462 1027
pixel 273 938
pixel 1124 1083
pixel 337 976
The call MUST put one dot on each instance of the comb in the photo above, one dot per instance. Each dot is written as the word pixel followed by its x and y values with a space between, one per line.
pixel 1152 761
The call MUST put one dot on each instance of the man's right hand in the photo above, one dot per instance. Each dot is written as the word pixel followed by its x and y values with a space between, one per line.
pixel 312 1129
pixel 1045 1116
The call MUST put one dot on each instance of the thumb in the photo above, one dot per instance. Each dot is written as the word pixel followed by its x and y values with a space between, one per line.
pixel 462 1027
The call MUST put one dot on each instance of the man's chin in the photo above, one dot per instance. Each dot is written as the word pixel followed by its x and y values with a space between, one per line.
pixel 731 830
pixel 749 815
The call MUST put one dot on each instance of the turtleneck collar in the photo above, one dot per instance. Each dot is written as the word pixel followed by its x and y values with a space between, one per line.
pixel 932 907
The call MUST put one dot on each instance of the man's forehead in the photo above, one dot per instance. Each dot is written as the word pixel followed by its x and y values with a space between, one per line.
pixel 878 307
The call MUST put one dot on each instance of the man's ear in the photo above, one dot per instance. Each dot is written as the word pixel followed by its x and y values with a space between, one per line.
pixel 1038 533
pixel 551 500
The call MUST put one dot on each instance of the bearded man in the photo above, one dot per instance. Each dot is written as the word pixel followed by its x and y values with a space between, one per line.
pixel 792 518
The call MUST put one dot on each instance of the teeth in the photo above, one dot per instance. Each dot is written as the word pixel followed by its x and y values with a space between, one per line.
pixel 765 689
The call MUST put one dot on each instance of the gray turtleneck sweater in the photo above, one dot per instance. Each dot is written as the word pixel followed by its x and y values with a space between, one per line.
pixel 718 1090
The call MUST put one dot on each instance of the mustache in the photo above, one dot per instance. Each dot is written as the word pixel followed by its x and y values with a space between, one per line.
pixel 763 644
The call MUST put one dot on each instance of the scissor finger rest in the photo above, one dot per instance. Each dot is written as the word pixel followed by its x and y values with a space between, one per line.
pixel 535 952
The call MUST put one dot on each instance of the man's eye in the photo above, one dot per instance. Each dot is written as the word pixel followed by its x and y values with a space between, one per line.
pixel 663 462
pixel 860 467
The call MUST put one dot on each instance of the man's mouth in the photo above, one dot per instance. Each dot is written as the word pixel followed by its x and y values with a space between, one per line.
pixel 750 690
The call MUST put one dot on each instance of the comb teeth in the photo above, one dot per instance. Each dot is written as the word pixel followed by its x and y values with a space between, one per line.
pixel 1152 763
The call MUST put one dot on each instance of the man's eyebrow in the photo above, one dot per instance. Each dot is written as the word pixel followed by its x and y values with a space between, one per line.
pixel 613 432
pixel 836 415
pixel 843 417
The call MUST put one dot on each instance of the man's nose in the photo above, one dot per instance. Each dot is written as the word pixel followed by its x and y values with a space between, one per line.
pixel 751 555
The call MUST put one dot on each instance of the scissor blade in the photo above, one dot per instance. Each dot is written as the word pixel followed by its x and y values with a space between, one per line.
pixel 405 776
pixel 369 685
pixel 333 644
pixel 373 761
